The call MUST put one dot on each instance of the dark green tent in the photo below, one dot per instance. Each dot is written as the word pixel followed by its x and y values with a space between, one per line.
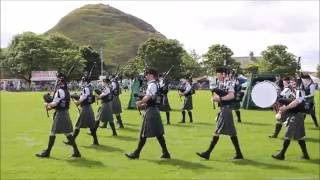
pixel 252 80
pixel 135 89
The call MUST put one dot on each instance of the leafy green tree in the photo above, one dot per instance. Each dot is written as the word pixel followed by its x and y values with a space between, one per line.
pixel 27 52
pixel 216 56
pixel 161 54
pixel 92 57
pixel 251 68
pixel 191 65
pixel 279 61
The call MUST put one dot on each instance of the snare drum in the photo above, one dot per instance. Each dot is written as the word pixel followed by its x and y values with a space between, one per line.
pixel 264 94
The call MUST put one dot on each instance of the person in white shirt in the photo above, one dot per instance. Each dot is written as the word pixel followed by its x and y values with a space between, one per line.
pixel 186 91
pixel 152 125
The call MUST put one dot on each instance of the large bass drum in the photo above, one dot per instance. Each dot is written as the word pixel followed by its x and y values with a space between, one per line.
pixel 264 94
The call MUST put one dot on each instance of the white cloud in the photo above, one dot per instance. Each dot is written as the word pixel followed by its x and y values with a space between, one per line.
pixel 241 25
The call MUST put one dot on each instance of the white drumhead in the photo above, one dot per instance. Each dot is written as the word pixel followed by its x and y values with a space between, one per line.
pixel 264 94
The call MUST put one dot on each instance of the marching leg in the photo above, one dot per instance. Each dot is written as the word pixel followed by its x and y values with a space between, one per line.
pixel 94 135
pixel 235 142
pixel 206 154
pixel 76 152
pixel 303 147
pixel 238 115
pixel 136 153
pixel 165 152
pixel 277 130
pixel 183 117
pixel 75 134
pixel 281 154
pixel 46 153
pixel 190 116
pixel 114 132
pixel 119 121
pixel 168 117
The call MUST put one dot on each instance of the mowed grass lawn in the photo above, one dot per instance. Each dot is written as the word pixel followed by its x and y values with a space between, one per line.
pixel 25 129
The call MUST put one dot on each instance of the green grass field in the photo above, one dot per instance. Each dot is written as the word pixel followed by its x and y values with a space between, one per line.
pixel 25 129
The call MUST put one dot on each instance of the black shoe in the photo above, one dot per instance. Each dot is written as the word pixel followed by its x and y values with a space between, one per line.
pixel 114 134
pixel 121 126
pixel 182 122
pixel 168 122
pixel 132 156
pixel 272 136
pixel 306 156
pixel 166 156
pixel 238 156
pixel 76 154
pixel 67 143
pixel 278 156
pixel 204 155
pixel 43 154
pixel 96 143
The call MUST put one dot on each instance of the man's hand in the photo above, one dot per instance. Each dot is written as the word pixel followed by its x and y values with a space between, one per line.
pixel 283 109
pixel 215 98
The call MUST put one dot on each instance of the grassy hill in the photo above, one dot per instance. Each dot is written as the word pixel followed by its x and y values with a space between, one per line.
pixel 102 26
pixel 25 129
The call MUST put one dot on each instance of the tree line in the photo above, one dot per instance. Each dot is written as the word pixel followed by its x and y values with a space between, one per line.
pixel 32 52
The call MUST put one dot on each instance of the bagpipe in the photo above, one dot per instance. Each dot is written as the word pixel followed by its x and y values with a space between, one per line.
pixel 47 96
pixel 90 99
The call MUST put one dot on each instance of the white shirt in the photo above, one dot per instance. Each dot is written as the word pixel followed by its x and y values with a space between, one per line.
pixel 114 85
pixel 57 99
pixel 152 88
pixel 188 87
pixel 287 93
pixel 84 94
pixel 105 91
pixel 227 85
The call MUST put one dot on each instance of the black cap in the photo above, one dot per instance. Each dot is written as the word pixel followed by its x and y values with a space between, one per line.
pixel 286 78
pixel 221 70
pixel 106 80
pixel 152 71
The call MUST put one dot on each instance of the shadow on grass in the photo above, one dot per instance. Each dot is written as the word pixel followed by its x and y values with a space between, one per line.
pixel 130 129
pixel 102 147
pixel 311 139
pixel 187 125
pixel 180 163
pixel 312 161
pixel 204 124
pixel 126 138
pixel 262 164
pixel 255 124
pixel 85 162
pixel 130 124
pixel 81 162
pixel 314 128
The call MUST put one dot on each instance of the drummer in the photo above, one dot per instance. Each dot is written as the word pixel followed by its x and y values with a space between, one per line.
pixel 289 93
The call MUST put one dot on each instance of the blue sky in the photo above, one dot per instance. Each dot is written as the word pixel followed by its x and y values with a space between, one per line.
pixel 243 26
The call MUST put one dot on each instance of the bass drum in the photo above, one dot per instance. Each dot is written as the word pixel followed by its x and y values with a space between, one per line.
pixel 264 94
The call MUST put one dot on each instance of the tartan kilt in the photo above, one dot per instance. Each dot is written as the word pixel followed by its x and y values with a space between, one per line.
pixel 86 117
pixel 61 122
pixel 105 112
pixel 236 105
pixel 152 125
pixel 116 105
pixel 166 106
pixel 187 103
pixel 225 124
pixel 295 126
